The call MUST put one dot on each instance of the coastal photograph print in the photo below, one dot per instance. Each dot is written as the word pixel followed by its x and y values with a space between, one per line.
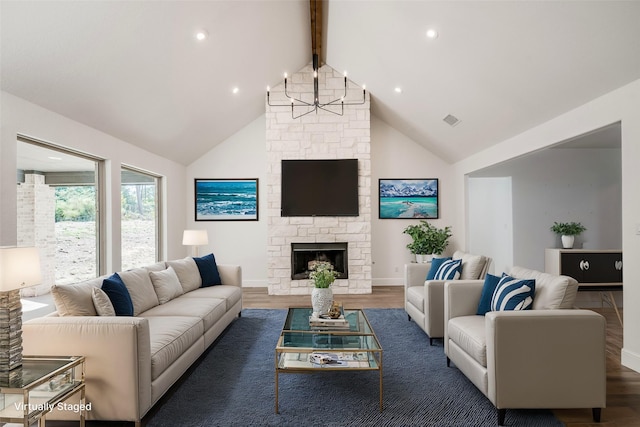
pixel 226 199
pixel 408 198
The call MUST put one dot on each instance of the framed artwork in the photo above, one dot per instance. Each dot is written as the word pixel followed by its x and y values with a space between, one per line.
pixel 408 198
pixel 226 199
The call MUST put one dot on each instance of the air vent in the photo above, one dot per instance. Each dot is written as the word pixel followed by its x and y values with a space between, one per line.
pixel 451 120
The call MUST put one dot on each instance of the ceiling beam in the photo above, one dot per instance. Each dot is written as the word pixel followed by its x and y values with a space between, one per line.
pixel 316 8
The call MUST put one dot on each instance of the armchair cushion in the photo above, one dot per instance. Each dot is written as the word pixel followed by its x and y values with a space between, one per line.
pixel 472 266
pixel 435 265
pixel 449 270
pixel 552 291
pixel 513 294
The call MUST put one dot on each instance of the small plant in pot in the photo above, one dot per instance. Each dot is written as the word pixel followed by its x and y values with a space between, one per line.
pixel 322 275
pixel 427 240
pixel 568 231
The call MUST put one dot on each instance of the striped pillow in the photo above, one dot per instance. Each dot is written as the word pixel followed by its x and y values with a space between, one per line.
pixel 449 270
pixel 513 294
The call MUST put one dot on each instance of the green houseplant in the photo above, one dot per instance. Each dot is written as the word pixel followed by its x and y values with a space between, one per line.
pixel 322 275
pixel 427 239
pixel 568 231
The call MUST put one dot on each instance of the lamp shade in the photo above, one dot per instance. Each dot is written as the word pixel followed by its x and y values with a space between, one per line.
pixel 19 268
pixel 195 238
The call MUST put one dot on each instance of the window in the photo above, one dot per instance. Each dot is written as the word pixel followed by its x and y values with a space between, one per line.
pixel 139 211
pixel 57 201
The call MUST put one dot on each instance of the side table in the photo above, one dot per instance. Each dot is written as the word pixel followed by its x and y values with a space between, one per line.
pixel 41 385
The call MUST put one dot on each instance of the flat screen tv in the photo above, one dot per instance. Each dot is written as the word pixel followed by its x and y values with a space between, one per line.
pixel 319 187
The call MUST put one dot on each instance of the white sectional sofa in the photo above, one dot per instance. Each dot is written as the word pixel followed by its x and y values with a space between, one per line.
pixel 131 361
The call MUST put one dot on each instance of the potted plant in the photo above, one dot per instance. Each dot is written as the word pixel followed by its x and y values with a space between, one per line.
pixel 322 275
pixel 427 240
pixel 568 231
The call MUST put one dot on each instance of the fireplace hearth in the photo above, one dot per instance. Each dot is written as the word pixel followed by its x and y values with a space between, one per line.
pixel 304 255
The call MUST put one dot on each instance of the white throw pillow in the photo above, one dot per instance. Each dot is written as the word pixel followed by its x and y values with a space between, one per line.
pixel 102 303
pixel 139 285
pixel 75 300
pixel 166 284
pixel 187 271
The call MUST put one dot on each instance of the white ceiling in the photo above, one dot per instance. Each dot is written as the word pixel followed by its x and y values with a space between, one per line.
pixel 133 69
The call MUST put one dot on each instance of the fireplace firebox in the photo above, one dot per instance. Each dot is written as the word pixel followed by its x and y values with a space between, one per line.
pixel 304 255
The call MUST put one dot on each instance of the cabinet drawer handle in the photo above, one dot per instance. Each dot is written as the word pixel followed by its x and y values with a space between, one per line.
pixel 584 265
pixel 618 265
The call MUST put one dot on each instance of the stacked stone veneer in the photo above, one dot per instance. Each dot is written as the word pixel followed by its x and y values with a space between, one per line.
pixel 318 136
pixel 36 226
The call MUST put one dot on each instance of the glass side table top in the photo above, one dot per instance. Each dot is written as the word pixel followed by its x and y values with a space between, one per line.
pixel 33 369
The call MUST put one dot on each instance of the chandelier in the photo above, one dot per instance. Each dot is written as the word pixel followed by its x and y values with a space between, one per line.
pixel 335 106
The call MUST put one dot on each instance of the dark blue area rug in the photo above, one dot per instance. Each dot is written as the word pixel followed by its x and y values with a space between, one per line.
pixel 233 384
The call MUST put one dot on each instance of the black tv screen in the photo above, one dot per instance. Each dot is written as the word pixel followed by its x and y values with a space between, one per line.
pixel 319 187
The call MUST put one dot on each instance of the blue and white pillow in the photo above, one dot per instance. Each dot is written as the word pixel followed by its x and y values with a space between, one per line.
pixel 435 265
pixel 513 294
pixel 449 270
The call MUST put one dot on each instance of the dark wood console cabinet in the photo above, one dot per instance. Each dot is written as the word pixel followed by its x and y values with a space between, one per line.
pixel 594 270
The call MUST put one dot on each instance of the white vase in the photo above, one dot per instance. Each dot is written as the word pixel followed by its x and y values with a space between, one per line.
pixel 421 258
pixel 567 241
pixel 321 300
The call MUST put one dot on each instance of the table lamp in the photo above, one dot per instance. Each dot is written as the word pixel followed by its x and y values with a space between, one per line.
pixel 195 238
pixel 19 268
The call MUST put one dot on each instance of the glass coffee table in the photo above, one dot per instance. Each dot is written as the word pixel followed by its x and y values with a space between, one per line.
pixel 302 348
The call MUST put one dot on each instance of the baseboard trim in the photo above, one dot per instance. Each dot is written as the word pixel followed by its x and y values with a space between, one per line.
pixel 630 359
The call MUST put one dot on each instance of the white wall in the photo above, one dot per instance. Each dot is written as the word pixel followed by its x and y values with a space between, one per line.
pixel 491 221
pixel 563 185
pixel 24 118
pixel 394 155
pixel 243 155
pixel 621 105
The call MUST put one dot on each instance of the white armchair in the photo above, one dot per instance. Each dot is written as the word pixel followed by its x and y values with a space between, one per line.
pixel 424 299
pixel 549 357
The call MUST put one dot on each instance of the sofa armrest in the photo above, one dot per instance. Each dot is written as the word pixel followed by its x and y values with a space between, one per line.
pixel 546 359
pixel 415 274
pixel 230 274
pixel 117 354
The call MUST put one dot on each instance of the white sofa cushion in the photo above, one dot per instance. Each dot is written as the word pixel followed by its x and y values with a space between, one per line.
pixel 552 291
pixel 171 336
pixel 140 289
pixel 210 310
pixel 231 294
pixel 166 284
pixel 102 303
pixel 188 273
pixel 75 300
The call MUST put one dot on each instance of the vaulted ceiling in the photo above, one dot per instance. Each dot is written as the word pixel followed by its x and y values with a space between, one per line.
pixel 134 70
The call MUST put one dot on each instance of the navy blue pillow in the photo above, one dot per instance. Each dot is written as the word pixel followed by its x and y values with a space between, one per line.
pixel 208 270
pixel 489 287
pixel 435 265
pixel 118 294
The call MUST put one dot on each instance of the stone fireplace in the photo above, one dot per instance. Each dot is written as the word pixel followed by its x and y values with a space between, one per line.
pixel 321 135
pixel 305 255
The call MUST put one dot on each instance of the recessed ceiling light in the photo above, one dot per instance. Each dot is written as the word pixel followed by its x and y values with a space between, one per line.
pixel 201 35
pixel 235 90
pixel 432 34
pixel 54 158
pixel 398 89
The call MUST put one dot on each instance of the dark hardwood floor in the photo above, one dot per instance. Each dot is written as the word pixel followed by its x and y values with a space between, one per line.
pixel 623 384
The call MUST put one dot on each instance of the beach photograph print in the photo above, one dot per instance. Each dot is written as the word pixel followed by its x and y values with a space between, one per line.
pixel 408 198
pixel 226 199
